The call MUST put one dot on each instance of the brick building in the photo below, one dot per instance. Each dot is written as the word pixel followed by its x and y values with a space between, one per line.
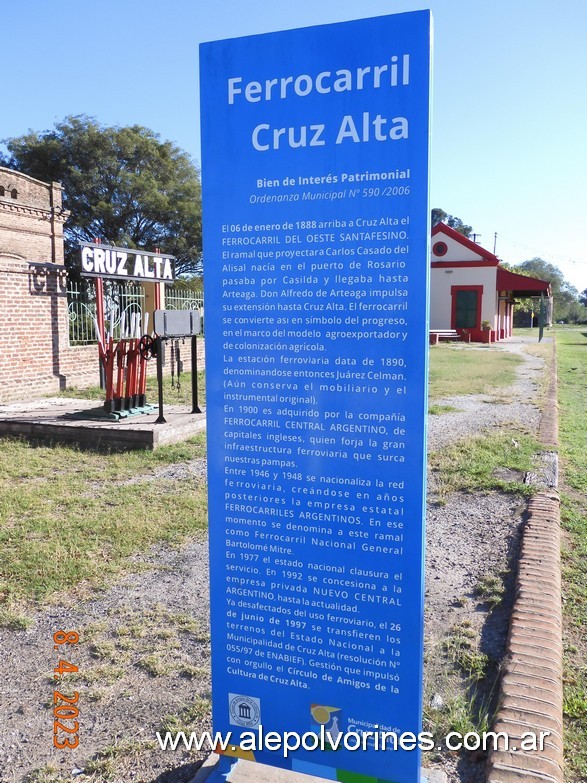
pixel 35 356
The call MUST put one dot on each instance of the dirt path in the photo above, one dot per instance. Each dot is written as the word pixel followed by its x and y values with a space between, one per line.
pixel 143 652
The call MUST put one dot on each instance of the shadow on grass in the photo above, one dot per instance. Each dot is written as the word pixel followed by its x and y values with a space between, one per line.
pixel 181 774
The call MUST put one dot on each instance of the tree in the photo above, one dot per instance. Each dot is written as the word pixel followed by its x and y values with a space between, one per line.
pixel 583 298
pixel 565 296
pixel 440 216
pixel 543 270
pixel 121 184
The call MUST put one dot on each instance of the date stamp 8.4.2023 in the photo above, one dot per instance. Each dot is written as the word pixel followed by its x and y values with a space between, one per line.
pixel 65 709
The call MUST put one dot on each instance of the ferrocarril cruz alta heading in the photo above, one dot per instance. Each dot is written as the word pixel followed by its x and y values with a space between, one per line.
pixel 365 127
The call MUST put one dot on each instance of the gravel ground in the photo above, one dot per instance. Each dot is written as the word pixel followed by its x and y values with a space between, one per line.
pixel 160 612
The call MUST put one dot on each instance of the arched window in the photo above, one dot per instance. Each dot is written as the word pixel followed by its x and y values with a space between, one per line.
pixel 2 190
pixel 14 193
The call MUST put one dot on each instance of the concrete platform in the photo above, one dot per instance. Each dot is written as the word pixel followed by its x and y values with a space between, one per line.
pixel 73 421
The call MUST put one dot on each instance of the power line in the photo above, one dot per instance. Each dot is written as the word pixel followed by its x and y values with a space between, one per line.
pixel 555 256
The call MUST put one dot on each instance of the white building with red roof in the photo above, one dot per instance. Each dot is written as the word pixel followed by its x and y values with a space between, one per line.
pixel 468 288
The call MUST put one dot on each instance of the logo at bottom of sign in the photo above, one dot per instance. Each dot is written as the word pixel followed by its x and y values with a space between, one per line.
pixel 244 710
pixel 326 721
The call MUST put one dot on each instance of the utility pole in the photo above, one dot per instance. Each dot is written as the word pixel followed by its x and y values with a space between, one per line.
pixel 494 242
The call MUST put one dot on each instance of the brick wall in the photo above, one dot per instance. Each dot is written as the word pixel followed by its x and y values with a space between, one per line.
pixel 32 286
pixel 35 356
pixel 31 218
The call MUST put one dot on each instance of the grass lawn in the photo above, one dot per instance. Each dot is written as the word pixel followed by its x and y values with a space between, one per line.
pixel 68 517
pixel 463 369
pixel 473 465
pixel 572 379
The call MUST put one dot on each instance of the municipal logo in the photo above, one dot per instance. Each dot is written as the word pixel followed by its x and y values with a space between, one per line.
pixel 244 710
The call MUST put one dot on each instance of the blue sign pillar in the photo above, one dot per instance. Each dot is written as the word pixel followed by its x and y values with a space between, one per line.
pixel 316 223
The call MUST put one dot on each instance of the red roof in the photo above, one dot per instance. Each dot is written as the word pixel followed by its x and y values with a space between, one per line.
pixel 442 228
pixel 520 285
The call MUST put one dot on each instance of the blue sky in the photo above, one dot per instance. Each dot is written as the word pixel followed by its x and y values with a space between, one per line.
pixel 509 148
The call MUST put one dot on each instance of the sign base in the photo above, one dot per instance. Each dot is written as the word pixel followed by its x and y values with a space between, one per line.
pixel 223 769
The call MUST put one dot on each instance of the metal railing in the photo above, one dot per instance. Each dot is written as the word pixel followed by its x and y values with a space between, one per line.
pixel 183 299
pixel 122 302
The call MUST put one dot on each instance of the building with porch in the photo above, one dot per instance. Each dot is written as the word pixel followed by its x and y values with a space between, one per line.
pixel 471 293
